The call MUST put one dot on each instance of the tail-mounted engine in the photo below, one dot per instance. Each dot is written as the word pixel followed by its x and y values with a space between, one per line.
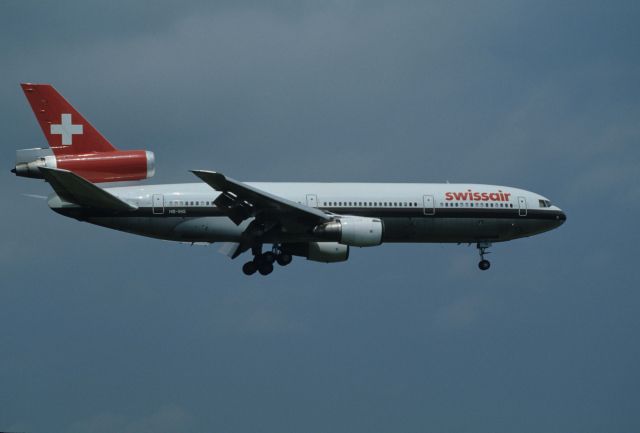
pixel 114 166
pixel 75 145
pixel 352 230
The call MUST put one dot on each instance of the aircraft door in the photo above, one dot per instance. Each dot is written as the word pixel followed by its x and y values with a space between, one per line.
pixel 157 201
pixel 522 206
pixel 312 200
pixel 429 208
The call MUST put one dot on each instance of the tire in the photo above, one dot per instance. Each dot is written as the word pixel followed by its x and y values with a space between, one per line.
pixel 269 257
pixel 249 268
pixel 484 265
pixel 284 259
pixel 265 268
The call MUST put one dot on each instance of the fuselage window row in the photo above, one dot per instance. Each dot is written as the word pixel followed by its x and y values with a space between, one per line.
pixel 502 205
pixel 185 203
pixel 369 204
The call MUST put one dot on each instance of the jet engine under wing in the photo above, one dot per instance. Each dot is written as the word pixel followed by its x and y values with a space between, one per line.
pixel 243 201
pixel 76 189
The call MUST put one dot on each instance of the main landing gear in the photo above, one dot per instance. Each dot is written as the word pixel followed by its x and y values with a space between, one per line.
pixel 263 262
pixel 484 264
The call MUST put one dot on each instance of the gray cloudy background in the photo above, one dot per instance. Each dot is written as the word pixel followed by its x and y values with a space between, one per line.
pixel 106 332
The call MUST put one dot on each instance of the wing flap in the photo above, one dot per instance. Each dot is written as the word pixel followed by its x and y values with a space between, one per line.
pixel 75 189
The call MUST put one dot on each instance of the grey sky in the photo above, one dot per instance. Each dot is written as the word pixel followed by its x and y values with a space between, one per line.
pixel 102 331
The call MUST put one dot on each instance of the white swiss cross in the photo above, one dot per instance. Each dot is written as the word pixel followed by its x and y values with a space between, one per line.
pixel 66 129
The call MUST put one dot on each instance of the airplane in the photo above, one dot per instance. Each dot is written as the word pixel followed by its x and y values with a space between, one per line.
pixel 316 221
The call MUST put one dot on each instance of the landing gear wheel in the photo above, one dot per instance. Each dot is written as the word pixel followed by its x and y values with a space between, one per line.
pixel 265 268
pixel 484 265
pixel 482 249
pixel 268 257
pixel 249 268
pixel 284 259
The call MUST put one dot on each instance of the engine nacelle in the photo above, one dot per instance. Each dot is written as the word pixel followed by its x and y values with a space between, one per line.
pixel 352 230
pixel 326 252
pixel 116 166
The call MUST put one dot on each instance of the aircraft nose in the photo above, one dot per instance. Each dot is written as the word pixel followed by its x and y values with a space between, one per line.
pixel 561 217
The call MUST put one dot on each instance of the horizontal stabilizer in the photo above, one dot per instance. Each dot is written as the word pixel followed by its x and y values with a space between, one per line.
pixel 75 189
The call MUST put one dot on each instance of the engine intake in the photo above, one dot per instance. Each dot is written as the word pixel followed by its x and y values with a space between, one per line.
pixel 352 230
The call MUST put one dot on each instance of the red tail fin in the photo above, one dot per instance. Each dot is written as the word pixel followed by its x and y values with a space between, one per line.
pixel 67 132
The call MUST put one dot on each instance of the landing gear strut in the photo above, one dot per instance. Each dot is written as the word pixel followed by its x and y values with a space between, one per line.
pixel 484 264
pixel 263 262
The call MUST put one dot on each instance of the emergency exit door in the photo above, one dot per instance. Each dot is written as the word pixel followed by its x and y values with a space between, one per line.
pixel 158 204
pixel 429 207
pixel 522 206
pixel 312 200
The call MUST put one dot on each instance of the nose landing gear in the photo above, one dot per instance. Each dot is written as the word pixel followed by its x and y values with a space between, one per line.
pixel 263 262
pixel 482 248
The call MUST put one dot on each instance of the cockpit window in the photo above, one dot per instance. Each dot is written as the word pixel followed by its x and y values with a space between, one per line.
pixel 544 203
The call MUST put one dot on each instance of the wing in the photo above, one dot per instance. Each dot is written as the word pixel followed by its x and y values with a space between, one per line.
pixel 76 189
pixel 243 201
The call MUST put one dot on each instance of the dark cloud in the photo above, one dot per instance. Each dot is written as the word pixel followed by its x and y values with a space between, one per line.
pixel 103 331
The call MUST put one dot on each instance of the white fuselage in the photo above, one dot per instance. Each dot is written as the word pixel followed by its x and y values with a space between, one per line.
pixel 410 212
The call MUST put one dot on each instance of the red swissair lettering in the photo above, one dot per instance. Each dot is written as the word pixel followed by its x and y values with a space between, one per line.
pixel 469 195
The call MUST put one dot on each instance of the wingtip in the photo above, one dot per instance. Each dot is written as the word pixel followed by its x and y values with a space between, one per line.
pixel 205 172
